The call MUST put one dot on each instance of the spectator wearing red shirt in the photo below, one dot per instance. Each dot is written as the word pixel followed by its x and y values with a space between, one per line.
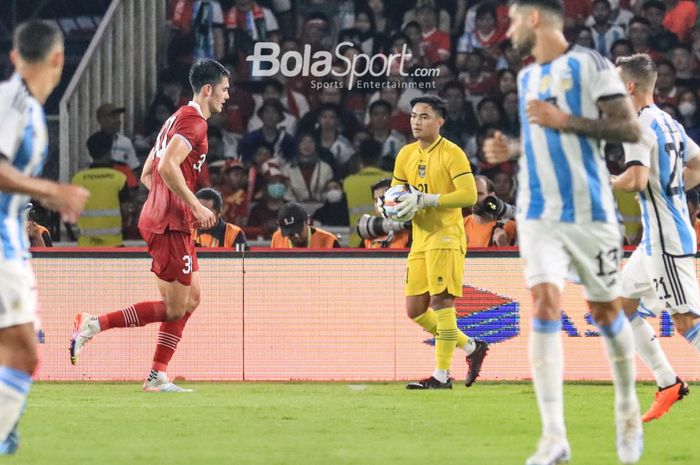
pixel 234 190
pixel 240 107
pixel 680 18
pixel 576 12
pixel 436 44
pixel 477 81
pixel 246 24
pixel 639 35
pixel 264 214
pixel 487 35
pixel 666 92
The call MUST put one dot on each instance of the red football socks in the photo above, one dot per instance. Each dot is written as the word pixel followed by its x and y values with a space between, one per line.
pixel 139 314
pixel 168 337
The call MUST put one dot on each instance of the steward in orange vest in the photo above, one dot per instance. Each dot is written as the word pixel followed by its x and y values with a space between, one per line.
pixel 295 232
pixel 223 234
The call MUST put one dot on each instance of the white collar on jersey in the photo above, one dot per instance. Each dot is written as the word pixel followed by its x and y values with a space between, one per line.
pixel 196 106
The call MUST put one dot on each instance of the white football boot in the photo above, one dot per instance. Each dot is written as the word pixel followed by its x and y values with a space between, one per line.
pixel 158 382
pixel 630 436
pixel 551 450
pixel 85 326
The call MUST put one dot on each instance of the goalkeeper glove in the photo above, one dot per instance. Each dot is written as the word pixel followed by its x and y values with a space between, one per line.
pixel 409 204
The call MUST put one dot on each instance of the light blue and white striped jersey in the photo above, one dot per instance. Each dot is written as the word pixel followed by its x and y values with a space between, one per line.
pixel 663 148
pixel 563 176
pixel 24 142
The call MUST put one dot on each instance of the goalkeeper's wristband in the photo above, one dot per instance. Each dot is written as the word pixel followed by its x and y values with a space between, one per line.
pixel 430 200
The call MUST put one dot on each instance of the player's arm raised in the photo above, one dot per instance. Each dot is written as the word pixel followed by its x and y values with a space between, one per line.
pixel 66 199
pixel 174 155
pixel 618 123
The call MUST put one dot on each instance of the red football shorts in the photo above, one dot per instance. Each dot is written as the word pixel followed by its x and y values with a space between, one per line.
pixel 174 255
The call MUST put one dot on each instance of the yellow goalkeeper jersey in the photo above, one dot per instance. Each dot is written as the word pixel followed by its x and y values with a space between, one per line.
pixel 433 171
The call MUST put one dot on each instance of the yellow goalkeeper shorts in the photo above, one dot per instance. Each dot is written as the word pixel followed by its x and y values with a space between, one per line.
pixel 433 271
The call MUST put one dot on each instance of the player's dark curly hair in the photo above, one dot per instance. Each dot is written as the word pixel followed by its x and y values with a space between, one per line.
pixel 211 194
pixel 207 71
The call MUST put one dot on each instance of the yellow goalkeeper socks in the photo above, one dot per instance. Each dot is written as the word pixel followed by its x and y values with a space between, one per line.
pixel 446 339
pixel 428 321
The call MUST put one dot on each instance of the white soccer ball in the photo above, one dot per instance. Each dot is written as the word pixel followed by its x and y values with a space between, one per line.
pixel 389 203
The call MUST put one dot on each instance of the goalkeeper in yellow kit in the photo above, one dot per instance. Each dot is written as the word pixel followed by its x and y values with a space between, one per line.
pixel 441 183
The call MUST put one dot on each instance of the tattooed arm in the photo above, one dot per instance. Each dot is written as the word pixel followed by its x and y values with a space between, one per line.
pixel 618 123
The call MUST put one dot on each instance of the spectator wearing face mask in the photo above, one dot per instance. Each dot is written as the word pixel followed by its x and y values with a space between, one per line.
pixel 264 214
pixel 690 116
pixel 334 211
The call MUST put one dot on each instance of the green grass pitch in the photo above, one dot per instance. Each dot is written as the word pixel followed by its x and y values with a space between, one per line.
pixel 330 424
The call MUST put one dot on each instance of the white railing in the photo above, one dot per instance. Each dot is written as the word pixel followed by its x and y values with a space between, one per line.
pixel 120 66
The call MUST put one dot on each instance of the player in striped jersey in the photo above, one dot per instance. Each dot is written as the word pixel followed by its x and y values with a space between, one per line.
pixel 37 55
pixel 566 212
pixel 660 274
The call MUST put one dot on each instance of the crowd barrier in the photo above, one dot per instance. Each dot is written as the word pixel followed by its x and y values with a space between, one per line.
pixel 336 316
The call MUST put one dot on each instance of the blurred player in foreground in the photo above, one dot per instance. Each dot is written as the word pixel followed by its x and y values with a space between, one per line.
pixel 441 184
pixel 660 274
pixel 167 220
pixel 37 56
pixel 566 212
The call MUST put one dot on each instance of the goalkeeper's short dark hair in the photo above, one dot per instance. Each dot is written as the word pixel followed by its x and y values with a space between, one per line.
pixel 433 101
pixel 207 71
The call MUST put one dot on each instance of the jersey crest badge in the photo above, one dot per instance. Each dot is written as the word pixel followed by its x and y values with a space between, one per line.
pixel 421 171
pixel 565 81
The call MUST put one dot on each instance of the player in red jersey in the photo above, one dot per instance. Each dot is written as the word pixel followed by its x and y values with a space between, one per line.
pixel 168 217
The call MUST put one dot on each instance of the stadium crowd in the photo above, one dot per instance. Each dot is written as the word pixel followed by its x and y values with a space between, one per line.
pixel 326 142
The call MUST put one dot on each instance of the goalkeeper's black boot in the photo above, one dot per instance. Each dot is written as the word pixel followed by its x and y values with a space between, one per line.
pixel 474 361
pixel 430 383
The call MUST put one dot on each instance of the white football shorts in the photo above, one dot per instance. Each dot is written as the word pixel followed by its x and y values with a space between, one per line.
pixel 18 297
pixel 662 282
pixel 552 250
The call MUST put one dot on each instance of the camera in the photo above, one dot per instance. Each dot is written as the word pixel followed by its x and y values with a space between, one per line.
pixel 371 227
pixel 498 208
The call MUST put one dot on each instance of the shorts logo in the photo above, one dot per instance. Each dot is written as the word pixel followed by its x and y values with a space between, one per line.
pixel 421 171
pixel 439 279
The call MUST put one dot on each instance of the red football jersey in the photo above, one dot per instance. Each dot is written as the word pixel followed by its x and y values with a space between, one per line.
pixel 163 209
